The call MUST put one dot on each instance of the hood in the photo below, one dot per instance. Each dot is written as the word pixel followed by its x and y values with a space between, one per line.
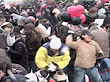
pixel 93 26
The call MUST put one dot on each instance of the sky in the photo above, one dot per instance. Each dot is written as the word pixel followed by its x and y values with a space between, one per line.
pixel 15 1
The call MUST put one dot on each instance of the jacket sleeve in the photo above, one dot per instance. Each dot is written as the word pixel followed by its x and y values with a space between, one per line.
pixel 71 43
pixel 19 49
pixel 40 58
pixel 98 49
pixel 64 61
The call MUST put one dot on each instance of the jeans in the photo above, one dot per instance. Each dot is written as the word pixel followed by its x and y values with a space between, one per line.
pixel 92 73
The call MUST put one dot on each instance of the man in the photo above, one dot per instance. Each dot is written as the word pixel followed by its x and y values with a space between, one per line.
pixel 52 54
pixel 7 29
pixel 85 57
pixel 101 36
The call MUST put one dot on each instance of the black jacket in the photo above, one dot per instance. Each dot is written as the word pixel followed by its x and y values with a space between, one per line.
pixel 18 53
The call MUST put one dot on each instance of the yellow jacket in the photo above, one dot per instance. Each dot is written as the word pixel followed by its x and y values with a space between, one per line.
pixel 43 58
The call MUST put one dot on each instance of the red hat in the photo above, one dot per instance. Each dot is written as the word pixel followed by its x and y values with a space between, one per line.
pixel 32 18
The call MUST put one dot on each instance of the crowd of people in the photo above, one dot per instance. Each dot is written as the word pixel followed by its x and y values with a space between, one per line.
pixel 54 35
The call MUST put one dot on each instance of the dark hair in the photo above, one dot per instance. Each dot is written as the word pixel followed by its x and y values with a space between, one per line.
pixel 85 32
pixel 76 20
pixel 64 16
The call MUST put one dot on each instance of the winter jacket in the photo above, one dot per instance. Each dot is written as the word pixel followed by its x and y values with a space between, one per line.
pixel 102 38
pixel 86 53
pixel 3 43
pixel 45 56
pixel 5 62
pixel 18 53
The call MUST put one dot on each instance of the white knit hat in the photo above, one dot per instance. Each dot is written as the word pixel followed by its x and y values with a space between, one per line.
pixel 55 43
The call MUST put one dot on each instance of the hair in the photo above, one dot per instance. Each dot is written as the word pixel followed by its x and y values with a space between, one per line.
pixel 65 16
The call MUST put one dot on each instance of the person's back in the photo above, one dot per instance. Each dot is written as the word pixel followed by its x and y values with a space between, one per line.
pixel 102 38
pixel 18 53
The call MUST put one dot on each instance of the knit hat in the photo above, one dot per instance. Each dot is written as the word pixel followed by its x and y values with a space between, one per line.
pixel 65 16
pixel 86 32
pixel 55 43
pixel 32 19
pixel 76 20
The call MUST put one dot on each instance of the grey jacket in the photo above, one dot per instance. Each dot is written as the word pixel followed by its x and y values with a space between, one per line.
pixel 102 38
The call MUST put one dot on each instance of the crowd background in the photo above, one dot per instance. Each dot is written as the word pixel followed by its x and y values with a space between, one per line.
pixel 24 28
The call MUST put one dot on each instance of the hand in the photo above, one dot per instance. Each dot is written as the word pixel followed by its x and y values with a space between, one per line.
pixel 7 48
pixel 52 67
pixel 44 73
pixel 99 54
pixel 69 39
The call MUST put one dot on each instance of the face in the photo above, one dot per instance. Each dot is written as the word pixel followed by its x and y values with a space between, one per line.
pixel 106 7
pixel 8 29
pixel 87 38
pixel 28 10
pixel 54 50
pixel 2 21
pixel 1 74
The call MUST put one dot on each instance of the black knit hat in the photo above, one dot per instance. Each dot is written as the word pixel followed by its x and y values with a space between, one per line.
pixel 86 32
pixel 76 20
pixel 65 16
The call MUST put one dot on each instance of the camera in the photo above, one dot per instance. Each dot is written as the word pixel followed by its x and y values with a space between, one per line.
pixel 75 34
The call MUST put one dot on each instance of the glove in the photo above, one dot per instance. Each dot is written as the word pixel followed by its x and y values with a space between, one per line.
pixel 44 73
pixel 41 75
pixel 99 54
pixel 74 35
pixel 52 67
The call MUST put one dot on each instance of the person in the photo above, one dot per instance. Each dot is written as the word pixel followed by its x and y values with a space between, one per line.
pixel 53 55
pixel 85 57
pixel 32 39
pixel 101 36
pixel 18 51
pixel 5 64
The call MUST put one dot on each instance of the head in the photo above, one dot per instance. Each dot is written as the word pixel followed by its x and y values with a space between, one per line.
pixel 76 20
pixel 65 16
pixel 1 73
pixel 7 26
pixel 86 35
pixel 55 44
pixel 107 5
pixel 93 12
pixel 31 19
pixel 56 12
